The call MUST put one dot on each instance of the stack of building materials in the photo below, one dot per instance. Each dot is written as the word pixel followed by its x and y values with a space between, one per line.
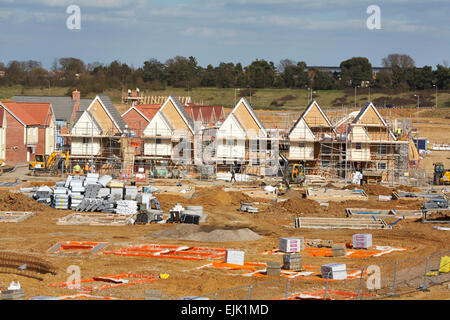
pixel 335 271
pixel 196 211
pixel 91 178
pixel 131 192
pixel 292 262
pixel 75 199
pixel 291 245
pixel 92 190
pixel 126 207
pixel 61 198
pixel 43 195
pixel 104 180
pixel 104 193
pixel 339 250
pixel 117 194
pixel 273 268
pixel 76 184
pixel 235 257
pixel 362 241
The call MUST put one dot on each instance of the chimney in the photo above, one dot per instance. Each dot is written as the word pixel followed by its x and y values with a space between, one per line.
pixel 76 95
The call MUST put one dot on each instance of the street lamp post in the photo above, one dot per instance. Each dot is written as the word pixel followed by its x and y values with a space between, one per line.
pixel 355 95
pixel 434 85
pixel 235 89
pixel 418 106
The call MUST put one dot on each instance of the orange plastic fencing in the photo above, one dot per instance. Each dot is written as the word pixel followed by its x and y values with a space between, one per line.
pixel 170 252
pixel 116 280
pixel 353 253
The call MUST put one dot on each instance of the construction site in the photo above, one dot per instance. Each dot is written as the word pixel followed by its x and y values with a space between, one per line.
pixel 161 198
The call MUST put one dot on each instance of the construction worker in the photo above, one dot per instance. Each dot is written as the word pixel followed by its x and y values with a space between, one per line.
pixel 129 92
pixel 280 188
pixel 86 168
pixel 77 168
pixel 233 173
pixel 288 186
pixel 295 172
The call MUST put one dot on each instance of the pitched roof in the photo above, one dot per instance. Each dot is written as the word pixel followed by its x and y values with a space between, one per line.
pixel 29 114
pixel 62 106
pixel 148 110
pixel 181 110
pixel 363 110
pixel 252 113
pixel 314 102
pixel 112 111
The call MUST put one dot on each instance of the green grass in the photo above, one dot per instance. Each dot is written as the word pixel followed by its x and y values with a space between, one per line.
pixel 261 98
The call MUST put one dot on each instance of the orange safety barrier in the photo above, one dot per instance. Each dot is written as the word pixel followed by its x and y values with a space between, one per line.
pixel 170 252
pixel 115 280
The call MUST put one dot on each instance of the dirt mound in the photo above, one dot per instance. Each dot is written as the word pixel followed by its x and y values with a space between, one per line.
pixel 205 233
pixel 206 197
pixel 296 206
pixel 19 202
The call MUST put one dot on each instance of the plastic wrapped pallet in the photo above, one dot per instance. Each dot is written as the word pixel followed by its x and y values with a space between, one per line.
pixel 126 207
pixel 104 180
pixel 235 257
pixel 117 193
pixel 339 250
pixel 335 271
pixel 60 191
pixel 291 245
pixel 362 241
pixel 292 261
pixel 131 192
pixel 103 192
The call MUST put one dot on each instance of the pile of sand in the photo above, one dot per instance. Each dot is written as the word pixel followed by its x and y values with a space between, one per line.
pixel 194 232
pixel 296 206
pixel 19 202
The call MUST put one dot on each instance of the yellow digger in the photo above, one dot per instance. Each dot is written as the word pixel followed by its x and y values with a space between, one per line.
pixel 50 164
pixel 441 175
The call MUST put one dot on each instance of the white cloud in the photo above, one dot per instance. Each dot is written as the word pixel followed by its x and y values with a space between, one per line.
pixel 206 32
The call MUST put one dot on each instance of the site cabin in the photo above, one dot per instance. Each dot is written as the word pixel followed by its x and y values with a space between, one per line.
pixel 97 132
pixel 27 129
pixel 373 147
pixel 64 109
pixel 170 134
pixel 242 141
pixel 311 139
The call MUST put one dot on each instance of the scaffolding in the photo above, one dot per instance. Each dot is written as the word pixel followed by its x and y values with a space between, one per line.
pixel 335 152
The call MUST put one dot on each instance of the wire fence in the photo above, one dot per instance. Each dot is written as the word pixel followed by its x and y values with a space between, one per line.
pixel 385 280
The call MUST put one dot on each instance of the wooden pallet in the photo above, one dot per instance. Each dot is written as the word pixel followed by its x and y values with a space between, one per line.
pixel 341 223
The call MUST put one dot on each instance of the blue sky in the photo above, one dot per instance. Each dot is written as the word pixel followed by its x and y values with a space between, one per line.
pixel 320 32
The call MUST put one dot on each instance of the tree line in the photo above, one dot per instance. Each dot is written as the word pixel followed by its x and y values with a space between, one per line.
pixel 399 73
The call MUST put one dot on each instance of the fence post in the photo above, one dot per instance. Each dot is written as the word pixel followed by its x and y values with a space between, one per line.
pixel 250 293
pixel 395 278
pixel 288 282
pixel 326 289
pixel 439 266
pixel 360 284
pixel 425 274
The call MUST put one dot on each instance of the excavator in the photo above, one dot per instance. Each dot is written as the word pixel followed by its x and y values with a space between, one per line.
pixel 292 172
pixel 50 164
pixel 441 175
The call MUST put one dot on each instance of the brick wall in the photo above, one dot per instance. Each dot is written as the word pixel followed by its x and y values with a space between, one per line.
pixel 16 151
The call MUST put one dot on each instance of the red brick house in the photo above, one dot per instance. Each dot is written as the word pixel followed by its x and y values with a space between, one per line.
pixel 28 129
pixel 139 116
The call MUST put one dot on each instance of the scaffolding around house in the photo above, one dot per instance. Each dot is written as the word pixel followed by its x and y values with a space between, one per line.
pixel 335 152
